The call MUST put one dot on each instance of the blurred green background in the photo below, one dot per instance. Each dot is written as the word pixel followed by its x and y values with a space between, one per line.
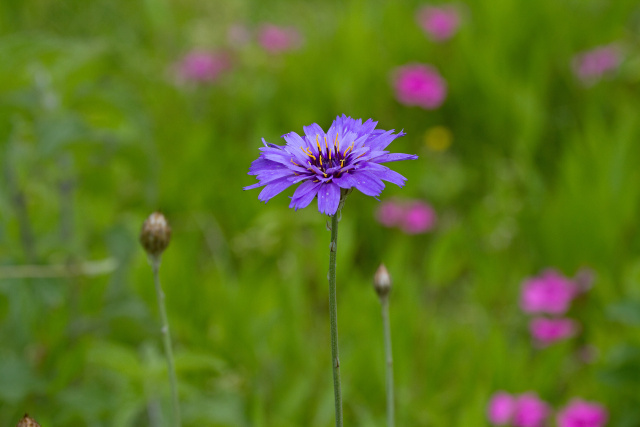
pixel 95 134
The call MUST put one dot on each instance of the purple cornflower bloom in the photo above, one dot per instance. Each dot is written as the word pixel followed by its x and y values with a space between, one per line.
pixel 347 156
pixel 580 413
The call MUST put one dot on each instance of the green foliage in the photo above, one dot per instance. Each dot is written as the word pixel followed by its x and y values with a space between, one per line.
pixel 95 134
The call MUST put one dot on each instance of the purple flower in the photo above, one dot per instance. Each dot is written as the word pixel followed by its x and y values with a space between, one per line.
pixel 419 84
pixel 592 65
pixel 202 66
pixel 419 218
pixel 501 408
pixel 347 156
pixel 547 331
pixel 275 39
pixel 440 23
pixel 580 413
pixel 530 411
pixel 550 292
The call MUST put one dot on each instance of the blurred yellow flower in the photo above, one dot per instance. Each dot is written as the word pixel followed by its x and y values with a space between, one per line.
pixel 438 138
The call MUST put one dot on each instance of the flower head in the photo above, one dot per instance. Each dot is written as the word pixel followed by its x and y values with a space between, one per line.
pixel 592 65
pixel 550 292
pixel 440 23
pixel 390 213
pixel 421 85
pixel 202 66
pixel 347 156
pixel 547 331
pixel 275 39
pixel 501 408
pixel 530 411
pixel 419 218
pixel 155 234
pixel 580 413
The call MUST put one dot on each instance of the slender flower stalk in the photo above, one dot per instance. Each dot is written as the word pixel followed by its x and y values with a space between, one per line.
pixel 382 285
pixel 155 237
pixel 333 319
pixel 328 166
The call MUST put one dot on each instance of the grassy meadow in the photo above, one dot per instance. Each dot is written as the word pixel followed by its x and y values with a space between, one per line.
pixel 539 170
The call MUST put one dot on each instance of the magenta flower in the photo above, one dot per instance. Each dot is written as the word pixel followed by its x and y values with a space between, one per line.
pixel 419 217
pixel 390 213
pixel 530 411
pixel 547 331
pixel 419 84
pixel 501 408
pixel 347 156
pixel 592 65
pixel 549 292
pixel 202 66
pixel 440 23
pixel 580 413
pixel 275 39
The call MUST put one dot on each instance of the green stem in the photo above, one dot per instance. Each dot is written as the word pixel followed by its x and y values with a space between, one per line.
pixel 166 337
pixel 333 315
pixel 389 356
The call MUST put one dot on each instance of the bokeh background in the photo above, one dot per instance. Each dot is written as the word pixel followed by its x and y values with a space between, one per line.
pixel 111 109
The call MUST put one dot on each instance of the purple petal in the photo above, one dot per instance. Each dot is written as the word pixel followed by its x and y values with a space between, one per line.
pixel 382 141
pixel 251 187
pixel 391 176
pixel 368 183
pixel 294 140
pixel 345 180
pixel 393 157
pixel 304 194
pixel 313 130
pixel 328 198
pixel 273 189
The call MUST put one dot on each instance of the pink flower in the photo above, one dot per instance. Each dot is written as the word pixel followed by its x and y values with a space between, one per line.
pixel 418 218
pixel 580 413
pixel 593 64
pixel 275 39
pixel 547 331
pixel 530 411
pixel 390 213
pixel 440 23
pixel 421 85
pixel 501 408
pixel 550 292
pixel 202 67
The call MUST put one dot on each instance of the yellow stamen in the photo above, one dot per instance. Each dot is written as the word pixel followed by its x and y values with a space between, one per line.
pixel 294 162
pixel 342 163
pixel 308 153
pixel 336 143
pixel 325 175
pixel 327 145
pixel 318 144
pixel 347 150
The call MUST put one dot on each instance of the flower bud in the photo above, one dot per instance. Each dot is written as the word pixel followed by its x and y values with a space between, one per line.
pixel 27 421
pixel 155 234
pixel 382 281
